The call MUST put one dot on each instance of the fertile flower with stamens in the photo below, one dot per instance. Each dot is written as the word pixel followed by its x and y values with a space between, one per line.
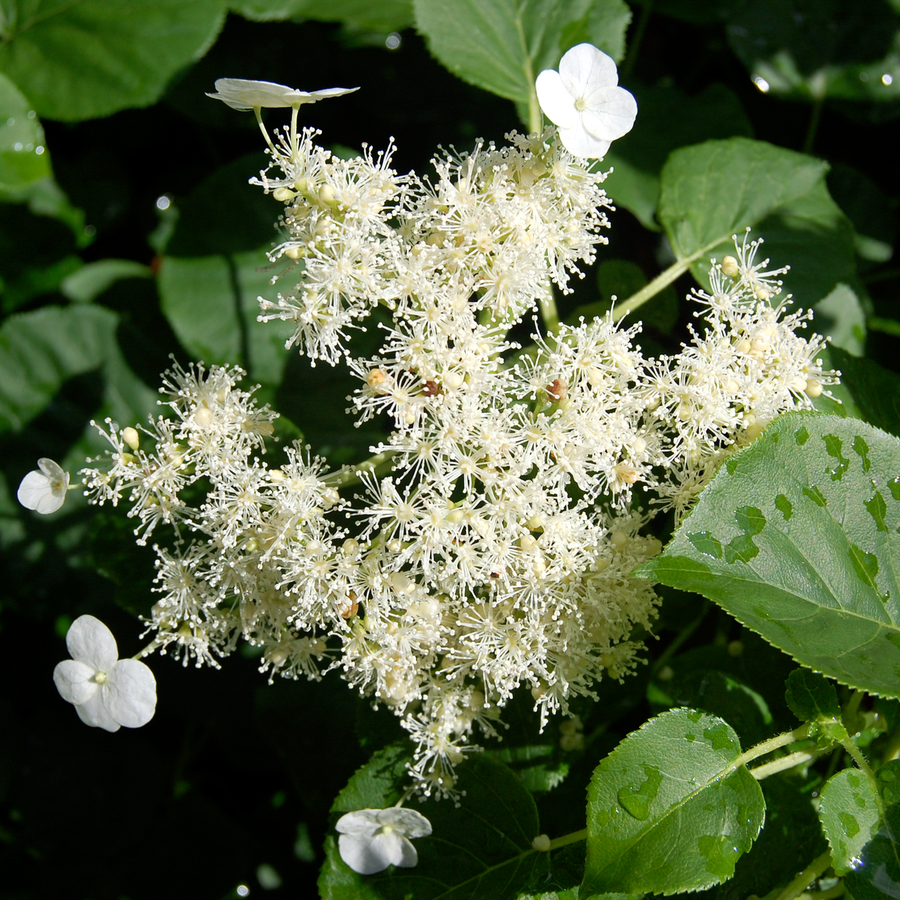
pixel 585 101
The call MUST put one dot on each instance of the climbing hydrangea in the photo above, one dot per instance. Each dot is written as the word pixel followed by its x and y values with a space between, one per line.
pixel 486 549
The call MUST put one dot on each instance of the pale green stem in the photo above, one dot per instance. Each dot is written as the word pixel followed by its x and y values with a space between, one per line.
pixel 781 765
pixel 567 839
pixel 258 112
pixel 380 464
pixel 816 868
pixel 663 280
pixel 549 312
pixel 837 891
pixel 535 119
pixel 893 747
pixel 852 704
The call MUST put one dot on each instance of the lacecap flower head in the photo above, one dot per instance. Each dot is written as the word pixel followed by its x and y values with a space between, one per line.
pixel 242 93
pixel 44 489
pixel 584 100
pixel 373 839
pixel 107 692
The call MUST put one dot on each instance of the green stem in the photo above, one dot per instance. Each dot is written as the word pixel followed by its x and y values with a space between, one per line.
pixel 535 119
pixel 816 868
pixel 380 464
pixel 852 705
pixel 663 280
pixel 860 760
pixel 813 125
pixel 783 764
pixel 567 839
pixel 893 748
pixel 549 312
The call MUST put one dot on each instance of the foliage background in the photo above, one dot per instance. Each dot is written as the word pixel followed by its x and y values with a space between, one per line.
pixel 234 774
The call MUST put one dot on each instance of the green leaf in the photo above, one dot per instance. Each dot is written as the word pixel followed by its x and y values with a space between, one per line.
pixel 848 810
pixel 811 697
pixel 502 45
pixel 384 16
pixel 888 778
pixel 791 838
pixel 481 848
pixel 225 214
pixel 668 811
pixel 868 207
pixel 667 119
pixel 812 49
pixel 90 58
pixel 807 521
pixel 23 154
pixel 840 316
pixel 874 389
pixel 877 874
pixel 93 279
pixel 41 350
pixel 714 190
pixel 211 304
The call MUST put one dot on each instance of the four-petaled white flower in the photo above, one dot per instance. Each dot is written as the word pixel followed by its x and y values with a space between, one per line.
pixel 583 99
pixel 107 691
pixel 373 839
pixel 241 93
pixel 44 491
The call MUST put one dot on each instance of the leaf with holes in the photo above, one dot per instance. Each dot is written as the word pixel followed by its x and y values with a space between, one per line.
pixel 670 810
pixel 798 537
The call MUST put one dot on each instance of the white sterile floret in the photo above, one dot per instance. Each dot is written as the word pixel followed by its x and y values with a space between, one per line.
pixel 373 839
pixel 241 93
pixel 584 100
pixel 107 691
pixel 44 491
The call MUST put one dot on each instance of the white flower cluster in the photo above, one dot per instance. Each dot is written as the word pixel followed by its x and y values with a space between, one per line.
pixel 496 555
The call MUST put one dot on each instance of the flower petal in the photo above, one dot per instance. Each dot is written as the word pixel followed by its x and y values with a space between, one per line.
pixel 610 113
pixel 74 681
pixel 580 142
pixel 129 693
pixel 556 102
pixel 362 854
pixel 243 93
pixel 44 491
pixel 395 848
pixel 90 641
pixel 360 821
pixel 585 67
pixel 95 714
pixel 413 824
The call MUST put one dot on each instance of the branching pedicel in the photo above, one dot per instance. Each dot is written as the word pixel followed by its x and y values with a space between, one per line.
pixel 496 555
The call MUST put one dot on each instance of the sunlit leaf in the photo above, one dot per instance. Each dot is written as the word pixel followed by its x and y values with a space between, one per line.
pixel 23 153
pixel 811 511
pixel 668 811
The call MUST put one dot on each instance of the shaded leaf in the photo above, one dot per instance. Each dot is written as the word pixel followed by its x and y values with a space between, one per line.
pixel 878 873
pixel 481 848
pixel 841 318
pixel 874 389
pixel 383 16
pixel 667 809
pixel 811 697
pixel 211 304
pixel 812 49
pixel 41 350
pixel 815 505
